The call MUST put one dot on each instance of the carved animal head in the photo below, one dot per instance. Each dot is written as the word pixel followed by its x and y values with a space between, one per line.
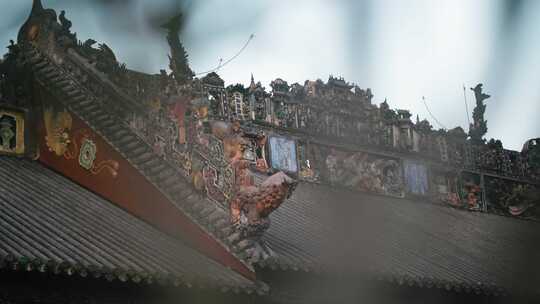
pixel 282 180
pixel 251 206
pixel 273 192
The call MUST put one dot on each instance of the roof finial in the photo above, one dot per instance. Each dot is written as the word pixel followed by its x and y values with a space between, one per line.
pixel 252 85
pixel 37 6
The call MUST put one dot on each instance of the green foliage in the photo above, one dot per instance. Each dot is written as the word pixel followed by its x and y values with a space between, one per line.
pixel 178 60
pixel 478 128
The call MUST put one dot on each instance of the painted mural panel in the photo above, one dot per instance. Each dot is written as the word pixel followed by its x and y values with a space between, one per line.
pixel 365 172
pixel 283 154
pixel 416 178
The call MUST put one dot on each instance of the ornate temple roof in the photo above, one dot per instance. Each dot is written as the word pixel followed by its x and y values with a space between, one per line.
pixel 320 227
pixel 51 224
pixel 100 108
pixel 334 230
pixel 339 82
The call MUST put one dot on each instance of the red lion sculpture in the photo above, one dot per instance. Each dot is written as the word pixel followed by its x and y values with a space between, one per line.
pixel 251 205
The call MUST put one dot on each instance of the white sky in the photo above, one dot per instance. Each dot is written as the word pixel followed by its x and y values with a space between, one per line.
pixel 403 50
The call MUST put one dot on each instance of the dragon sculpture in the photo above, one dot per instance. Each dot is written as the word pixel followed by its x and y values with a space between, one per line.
pixel 251 205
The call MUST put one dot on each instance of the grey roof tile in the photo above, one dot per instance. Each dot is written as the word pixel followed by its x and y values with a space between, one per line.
pixel 51 223
pixel 346 231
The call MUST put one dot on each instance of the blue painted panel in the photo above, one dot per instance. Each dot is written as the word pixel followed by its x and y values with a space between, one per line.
pixel 416 178
pixel 283 154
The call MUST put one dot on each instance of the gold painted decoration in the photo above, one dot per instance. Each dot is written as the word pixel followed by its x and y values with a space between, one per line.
pixel 74 144
pixel 11 132
pixel 58 127
pixel 110 166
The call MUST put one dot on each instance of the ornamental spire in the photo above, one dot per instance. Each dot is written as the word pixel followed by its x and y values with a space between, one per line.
pixel 36 7
pixel 252 85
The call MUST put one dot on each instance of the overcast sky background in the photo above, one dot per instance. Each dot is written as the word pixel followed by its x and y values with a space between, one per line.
pixel 402 50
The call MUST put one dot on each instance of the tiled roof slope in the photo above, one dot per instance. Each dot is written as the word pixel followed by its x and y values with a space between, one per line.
pixel 164 175
pixel 410 242
pixel 48 223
